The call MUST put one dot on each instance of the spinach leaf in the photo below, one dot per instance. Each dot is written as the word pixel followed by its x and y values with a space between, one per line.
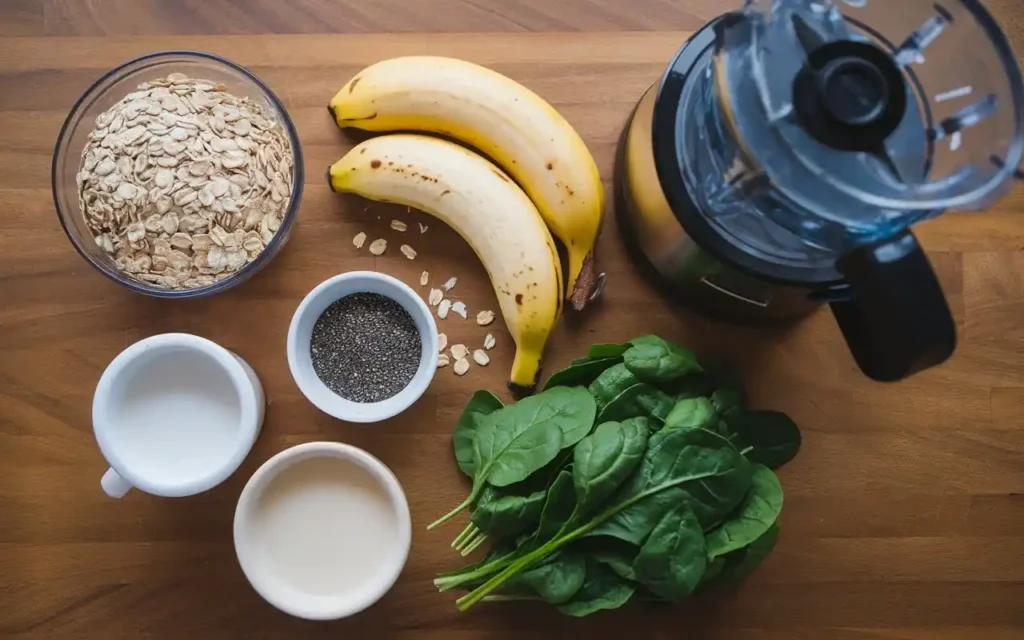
pixel 739 564
pixel 519 439
pixel 603 460
pixel 772 437
pixel 579 412
pixel 692 385
pixel 602 589
pixel 498 515
pixel 693 466
pixel 654 361
pixel 481 405
pixel 558 508
pixel 615 554
pixel 755 515
pixel 607 350
pixel 727 399
pixel 649 339
pixel 641 399
pixel 692 413
pixel 581 372
pixel 610 384
pixel 673 560
pixel 556 581
pixel 713 571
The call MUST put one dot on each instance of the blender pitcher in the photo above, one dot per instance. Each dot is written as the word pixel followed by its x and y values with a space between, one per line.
pixel 783 158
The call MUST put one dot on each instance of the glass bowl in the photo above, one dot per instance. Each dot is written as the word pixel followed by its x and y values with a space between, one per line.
pixel 109 90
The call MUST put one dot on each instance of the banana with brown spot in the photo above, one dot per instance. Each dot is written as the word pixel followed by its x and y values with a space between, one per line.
pixel 489 210
pixel 509 123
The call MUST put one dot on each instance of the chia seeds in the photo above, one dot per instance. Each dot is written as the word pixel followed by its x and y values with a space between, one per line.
pixel 365 347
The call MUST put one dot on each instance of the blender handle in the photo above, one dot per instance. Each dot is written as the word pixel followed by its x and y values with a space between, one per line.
pixel 897 321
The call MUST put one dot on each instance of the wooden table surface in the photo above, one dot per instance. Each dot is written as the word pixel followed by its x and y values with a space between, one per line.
pixel 904 514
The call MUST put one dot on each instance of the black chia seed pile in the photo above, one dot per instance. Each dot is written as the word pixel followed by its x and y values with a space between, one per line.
pixel 365 347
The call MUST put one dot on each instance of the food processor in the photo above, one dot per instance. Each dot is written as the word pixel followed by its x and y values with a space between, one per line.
pixel 783 158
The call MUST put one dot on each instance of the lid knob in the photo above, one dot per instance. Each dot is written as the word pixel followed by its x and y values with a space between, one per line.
pixel 850 95
pixel 853 90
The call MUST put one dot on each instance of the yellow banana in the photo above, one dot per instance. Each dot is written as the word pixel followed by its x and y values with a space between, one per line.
pixel 508 122
pixel 485 207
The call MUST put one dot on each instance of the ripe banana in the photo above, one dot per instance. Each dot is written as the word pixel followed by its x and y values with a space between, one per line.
pixel 488 210
pixel 508 122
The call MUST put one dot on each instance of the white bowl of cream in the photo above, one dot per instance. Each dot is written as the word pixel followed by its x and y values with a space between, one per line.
pixel 322 530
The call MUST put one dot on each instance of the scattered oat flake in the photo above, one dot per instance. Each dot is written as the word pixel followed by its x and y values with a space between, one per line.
pixel 398 225
pixel 435 296
pixel 359 240
pixel 485 318
pixel 459 307
pixel 424 278
pixel 408 251
pixel 489 342
pixel 461 367
pixel 450 284
pixel 444 308
pixel 481 357
pixel 459 351
pixel 378 246
pixel 442 361
pixel 442 342
pixel 423 228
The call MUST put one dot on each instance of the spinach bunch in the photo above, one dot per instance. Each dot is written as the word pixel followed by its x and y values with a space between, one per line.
pixel 637 473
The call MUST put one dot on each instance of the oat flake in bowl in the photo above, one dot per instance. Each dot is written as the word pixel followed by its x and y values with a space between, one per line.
pixel 185 186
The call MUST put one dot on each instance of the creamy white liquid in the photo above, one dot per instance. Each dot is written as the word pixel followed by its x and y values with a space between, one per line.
pixel 324 526
pixel 177 418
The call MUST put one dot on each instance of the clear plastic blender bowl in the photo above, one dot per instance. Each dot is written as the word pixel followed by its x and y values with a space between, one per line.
pixel 835 124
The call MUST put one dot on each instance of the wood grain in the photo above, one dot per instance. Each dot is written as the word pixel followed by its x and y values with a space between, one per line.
pixel 904 516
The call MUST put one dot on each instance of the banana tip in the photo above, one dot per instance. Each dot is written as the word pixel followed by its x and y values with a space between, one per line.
pixel 329 183
pixel 330 110
pixel 521 390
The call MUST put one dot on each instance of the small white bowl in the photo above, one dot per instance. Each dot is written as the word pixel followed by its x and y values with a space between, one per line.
pixel 300 333
pixel 256 532
pixel 175 415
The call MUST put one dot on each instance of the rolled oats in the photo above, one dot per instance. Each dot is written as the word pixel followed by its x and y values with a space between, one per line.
pixel 459 351
pixel 183 183
pixel 489 341
pixel 443 308
pixel 378 246
pixel 481 357
pixel 398 225
pixel 408 251
pixel 435 297
pixel 461 367
pixel 442 361
pixel 485 318
pixel 424 278
pixel 358 240
pixel 442 342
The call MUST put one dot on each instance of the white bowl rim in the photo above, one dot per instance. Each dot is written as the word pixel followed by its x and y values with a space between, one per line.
pixel 333 404
pixel 323 607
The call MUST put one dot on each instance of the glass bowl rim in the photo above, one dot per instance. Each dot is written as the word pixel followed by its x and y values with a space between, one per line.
pixel 287 219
